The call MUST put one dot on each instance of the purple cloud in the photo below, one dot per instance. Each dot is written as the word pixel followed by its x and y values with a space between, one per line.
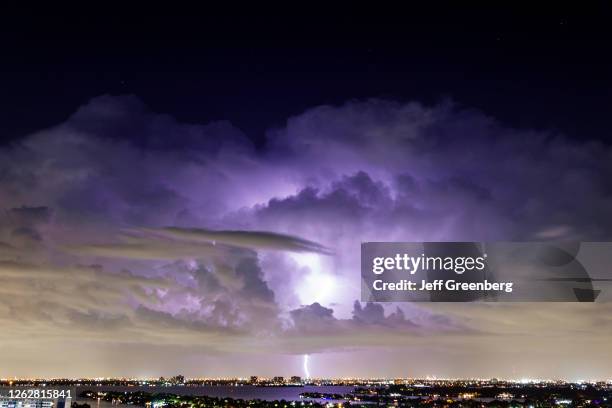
pixel 196 239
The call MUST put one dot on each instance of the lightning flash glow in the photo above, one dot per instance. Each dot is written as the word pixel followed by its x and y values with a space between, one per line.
pixel 306 372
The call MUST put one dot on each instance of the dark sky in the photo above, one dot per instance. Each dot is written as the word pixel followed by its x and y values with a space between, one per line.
pixel 546 69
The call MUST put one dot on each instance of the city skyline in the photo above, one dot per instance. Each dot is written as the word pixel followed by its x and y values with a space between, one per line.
pixel 253 379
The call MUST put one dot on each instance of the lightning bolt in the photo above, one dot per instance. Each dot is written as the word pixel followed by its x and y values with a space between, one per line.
pixel 306 372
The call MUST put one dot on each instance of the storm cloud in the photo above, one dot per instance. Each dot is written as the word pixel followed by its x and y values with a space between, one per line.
pixel 189 239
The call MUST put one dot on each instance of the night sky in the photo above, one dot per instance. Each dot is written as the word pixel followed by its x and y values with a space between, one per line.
pixel 544 68
pixel 129 143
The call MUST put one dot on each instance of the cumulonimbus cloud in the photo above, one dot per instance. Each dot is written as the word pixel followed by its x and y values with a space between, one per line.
pixel 238 241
